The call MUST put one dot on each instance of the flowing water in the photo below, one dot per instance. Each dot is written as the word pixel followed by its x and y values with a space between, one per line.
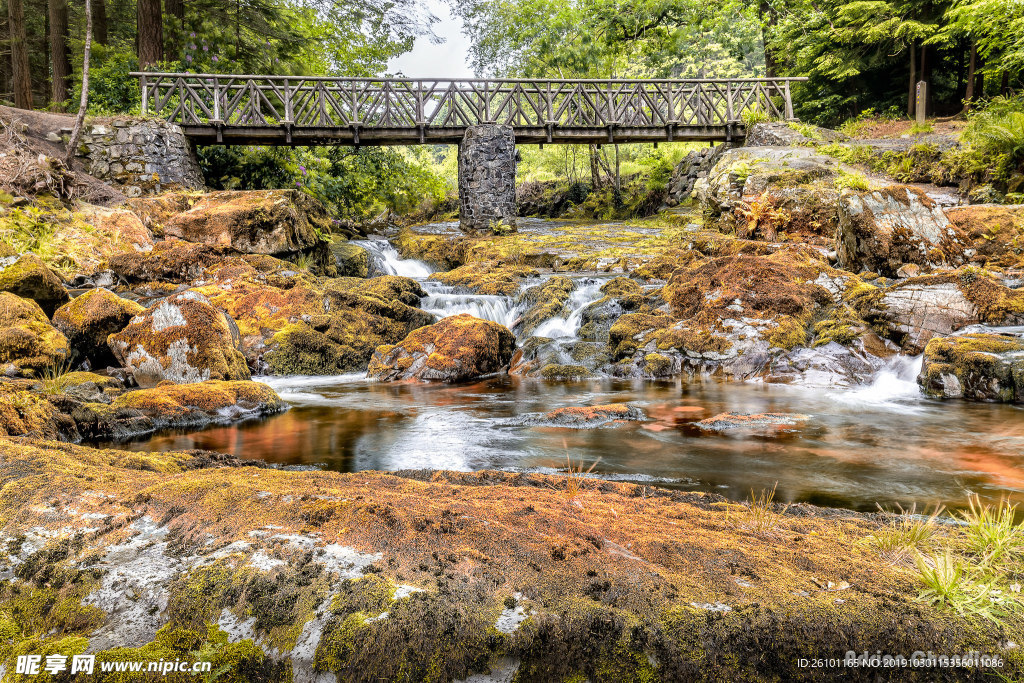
pixel 880 442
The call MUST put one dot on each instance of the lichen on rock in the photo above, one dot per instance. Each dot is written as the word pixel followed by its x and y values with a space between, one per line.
pixel 182 339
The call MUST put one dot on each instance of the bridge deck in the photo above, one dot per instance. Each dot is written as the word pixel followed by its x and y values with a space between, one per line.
pixel 283 110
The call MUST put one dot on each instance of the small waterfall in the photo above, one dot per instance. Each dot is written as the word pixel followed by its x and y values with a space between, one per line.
pixel 586 292
pixel 893 385
pixel 443 301
pixel 384 260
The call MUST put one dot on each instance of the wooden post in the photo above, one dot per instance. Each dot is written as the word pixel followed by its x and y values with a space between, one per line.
pixel 921 106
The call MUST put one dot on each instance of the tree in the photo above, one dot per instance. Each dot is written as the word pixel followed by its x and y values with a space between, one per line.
pixel 150 32
pixel 60 52
pixel 83 102
pixel 21 74
pixel 99 21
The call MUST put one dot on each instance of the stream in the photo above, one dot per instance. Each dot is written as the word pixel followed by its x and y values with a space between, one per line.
pixel 877 443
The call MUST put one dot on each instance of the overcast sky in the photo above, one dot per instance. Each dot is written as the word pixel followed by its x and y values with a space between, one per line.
pixel 450 59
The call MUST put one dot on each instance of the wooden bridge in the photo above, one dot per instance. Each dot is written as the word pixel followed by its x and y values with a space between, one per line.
pixel 290 110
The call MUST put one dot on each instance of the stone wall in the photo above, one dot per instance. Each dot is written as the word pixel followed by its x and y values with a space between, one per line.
pixel 140 156
pixel 487 177
pixel 696 164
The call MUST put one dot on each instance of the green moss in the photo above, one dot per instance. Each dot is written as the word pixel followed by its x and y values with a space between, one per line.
pixel 788 334
pixel 657 365
pixel 561 372
pixel 425 637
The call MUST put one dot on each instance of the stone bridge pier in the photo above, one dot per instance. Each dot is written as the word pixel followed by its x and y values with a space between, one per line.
pixel 487 178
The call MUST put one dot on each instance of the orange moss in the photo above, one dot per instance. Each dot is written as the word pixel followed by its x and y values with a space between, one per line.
pixel 456 348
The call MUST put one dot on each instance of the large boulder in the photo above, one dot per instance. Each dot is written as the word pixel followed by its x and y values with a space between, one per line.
pixel 350 259
pixel 182 339
pixel 89 319
pixel 304 325
pixel 980 367
pixel 913 311
pixel 457 348
pixel 283 223
pixel 29 344
pixel 882 230
pixel 765 192
pixel 168 261
pixel 28 277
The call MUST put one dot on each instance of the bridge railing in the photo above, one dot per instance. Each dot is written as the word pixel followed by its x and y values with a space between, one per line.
pixel 324 102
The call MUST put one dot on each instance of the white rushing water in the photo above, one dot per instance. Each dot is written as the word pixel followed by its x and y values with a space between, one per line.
pixel 443 301
pixel 894 386
pixel 586 292
pixel 386 260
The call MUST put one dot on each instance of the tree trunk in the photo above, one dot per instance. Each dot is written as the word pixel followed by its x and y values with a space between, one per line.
pixel 99 21
pixel 972 67
pixel 912 88
pixel 1004 86
pixel 83 102
pixel 768 18
pixel 925 76
pixel 595 170
pixel 60 54
pixel 176 9
pixel 151 32
pixel 19 55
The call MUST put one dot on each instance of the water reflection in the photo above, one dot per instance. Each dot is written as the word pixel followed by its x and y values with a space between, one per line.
pixel 855 449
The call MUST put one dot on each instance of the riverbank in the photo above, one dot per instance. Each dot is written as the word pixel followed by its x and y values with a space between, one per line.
pixel 416 574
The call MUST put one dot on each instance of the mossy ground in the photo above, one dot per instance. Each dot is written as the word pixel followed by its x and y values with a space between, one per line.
pixel 614 580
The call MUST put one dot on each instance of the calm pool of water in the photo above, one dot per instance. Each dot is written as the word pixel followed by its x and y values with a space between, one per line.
pixel 881 443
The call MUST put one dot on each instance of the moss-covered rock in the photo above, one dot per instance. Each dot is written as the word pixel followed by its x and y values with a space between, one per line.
pixel 503 279
pixel 28 277
pixel 282 223
pixel 994 231
pixel 351 260
pixel 583 417
pixel 433 575
pixel 168 261
pixel 881 230
pixel 457 348
pixel 181 405
pixel 182 339
pixel 978 367
pixel 543 302
pixel 27 413
pixel 914 310
pixel 29 344
pixel 307 325
pixel 88 320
